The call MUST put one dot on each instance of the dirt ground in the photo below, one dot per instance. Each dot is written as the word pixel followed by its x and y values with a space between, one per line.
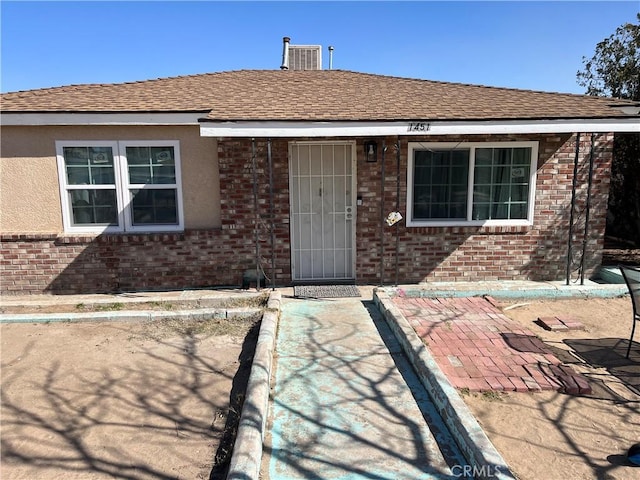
pixel 551 435
pixel 121 400
pixel 156 399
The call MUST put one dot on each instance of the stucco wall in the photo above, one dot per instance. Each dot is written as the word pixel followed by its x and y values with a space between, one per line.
pixel 30 196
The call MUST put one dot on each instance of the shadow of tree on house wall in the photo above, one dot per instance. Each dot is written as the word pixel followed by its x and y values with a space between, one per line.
pixel 127 262
pixel 218 257
pixel 537 252
pixel 194 258
pixel 550 255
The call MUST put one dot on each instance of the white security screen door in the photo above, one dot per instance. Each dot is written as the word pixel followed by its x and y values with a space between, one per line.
pixel 322 183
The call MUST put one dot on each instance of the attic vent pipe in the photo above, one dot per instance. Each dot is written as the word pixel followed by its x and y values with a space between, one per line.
pixel 285 53
pixel 330 57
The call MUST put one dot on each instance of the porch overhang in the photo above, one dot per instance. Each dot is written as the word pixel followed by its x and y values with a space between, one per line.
pixel 293 129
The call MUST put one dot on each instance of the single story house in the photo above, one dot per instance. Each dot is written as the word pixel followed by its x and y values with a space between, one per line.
pixel 195 181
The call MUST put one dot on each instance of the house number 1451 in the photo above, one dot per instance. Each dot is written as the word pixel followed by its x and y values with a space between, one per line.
pixel 418 127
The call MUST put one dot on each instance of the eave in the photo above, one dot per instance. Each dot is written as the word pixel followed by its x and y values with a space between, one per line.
pixel 293 129
pixel 414 127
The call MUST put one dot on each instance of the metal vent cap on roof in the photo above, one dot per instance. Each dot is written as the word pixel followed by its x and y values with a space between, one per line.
pixel 301 57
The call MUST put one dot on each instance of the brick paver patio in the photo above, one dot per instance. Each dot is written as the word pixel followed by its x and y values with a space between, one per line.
pixel 481 349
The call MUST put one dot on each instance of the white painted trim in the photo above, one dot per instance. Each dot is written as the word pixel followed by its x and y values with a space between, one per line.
pixel 323 129
pixel 122 186
pixel 413 146
pixel 107 118
pixel 358 129
pixel 67 213
pixel 127 186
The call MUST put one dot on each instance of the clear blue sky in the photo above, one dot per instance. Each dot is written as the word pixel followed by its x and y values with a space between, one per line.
pixel 531 45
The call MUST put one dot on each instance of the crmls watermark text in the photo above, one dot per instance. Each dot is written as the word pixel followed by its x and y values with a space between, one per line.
pixel 472 471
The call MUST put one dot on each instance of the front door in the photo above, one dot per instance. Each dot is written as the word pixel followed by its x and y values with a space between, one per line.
pixel 321 185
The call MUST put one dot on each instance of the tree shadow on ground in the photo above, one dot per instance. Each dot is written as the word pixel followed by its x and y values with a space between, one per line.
pixel 609 354
pixel 119 419
pixel 563 433
pixel 236 401
pixel 338 391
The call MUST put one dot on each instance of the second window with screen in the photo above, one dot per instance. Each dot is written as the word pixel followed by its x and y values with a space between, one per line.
pixel 471 183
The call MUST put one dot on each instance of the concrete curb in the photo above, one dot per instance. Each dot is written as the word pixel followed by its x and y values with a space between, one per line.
pixel 510 289
pixel 247 451
pixel 483 458
pixel 128 316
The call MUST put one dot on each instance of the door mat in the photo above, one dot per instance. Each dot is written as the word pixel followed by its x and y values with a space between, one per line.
pixel 326 291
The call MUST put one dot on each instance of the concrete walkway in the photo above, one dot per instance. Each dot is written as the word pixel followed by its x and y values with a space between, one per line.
pixel 340 404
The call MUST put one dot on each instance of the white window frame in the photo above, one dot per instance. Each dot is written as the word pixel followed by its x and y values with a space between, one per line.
pixel 122 186
pixel 471 146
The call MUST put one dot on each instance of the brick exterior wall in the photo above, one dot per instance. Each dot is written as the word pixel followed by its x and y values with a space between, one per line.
pixel 538 252
pixel 197 258
pixel 111 263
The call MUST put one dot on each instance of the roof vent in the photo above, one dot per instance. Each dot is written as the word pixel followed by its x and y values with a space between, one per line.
pixel 285 53
pixel 301 57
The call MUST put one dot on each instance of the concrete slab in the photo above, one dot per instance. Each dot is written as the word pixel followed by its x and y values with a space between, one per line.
pixel 330 326
pixel 327 380
pixel 340 405
pixel 510 289
pixel 204 296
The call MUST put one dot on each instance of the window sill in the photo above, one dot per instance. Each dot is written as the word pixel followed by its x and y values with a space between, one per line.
pixel 473 224
pixel 119 231
pixel 470 228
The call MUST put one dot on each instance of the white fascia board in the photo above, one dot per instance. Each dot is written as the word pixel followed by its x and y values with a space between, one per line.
pixel 41 119
pixel 417 128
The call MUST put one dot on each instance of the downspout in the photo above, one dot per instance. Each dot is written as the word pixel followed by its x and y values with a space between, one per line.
pixel 573 206
pixel 397 208
pixel 256 219
pixel 271 217
pixel 382 180
pixel 588 209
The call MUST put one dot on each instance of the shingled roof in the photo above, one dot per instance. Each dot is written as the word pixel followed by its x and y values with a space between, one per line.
pixel 315 95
